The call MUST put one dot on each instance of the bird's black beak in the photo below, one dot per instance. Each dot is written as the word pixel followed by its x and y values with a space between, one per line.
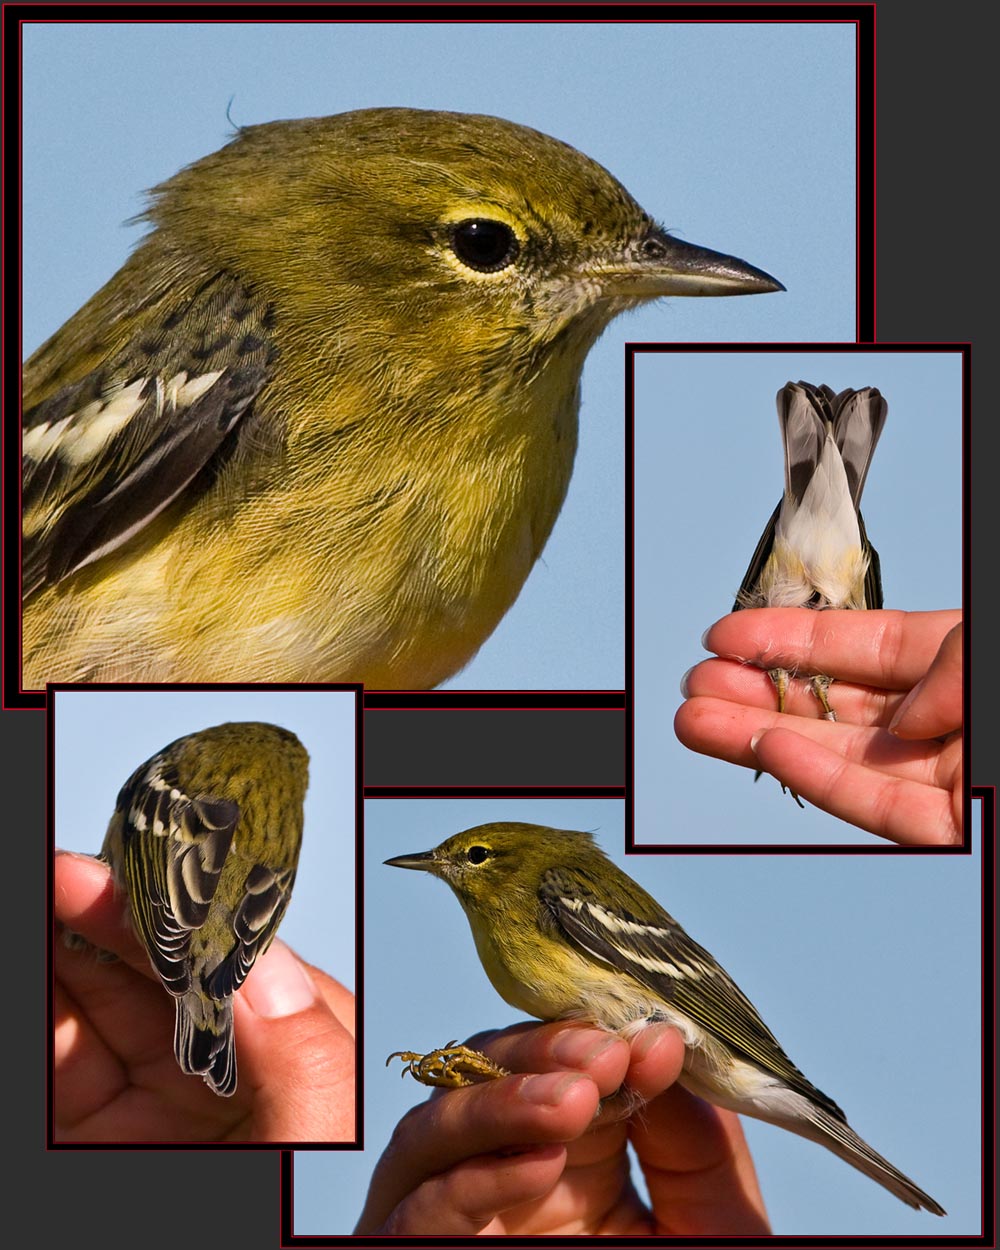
pixel 663 265
pixel 420 859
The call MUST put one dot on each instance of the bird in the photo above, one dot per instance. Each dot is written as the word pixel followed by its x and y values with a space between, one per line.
pixel 564 934
pixel 815 551
pixel 320 424
pixel 204 844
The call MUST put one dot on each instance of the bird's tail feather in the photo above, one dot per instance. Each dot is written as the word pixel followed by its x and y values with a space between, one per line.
pixel 839 1137
pixel 203 1041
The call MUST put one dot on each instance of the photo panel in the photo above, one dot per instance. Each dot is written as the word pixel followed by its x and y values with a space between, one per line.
pixel 708 470
pixel 715 155
pixel 834 953
pixel 228 813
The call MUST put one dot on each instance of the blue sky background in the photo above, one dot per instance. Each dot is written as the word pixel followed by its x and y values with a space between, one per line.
pixel 879 1007
pixel 700 508
pixel 693 118
pixel 102 737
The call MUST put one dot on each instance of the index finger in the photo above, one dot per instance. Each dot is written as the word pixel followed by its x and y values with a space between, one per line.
pixel 888 649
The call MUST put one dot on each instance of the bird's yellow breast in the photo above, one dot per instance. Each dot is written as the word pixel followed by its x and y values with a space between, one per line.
pixel 391 569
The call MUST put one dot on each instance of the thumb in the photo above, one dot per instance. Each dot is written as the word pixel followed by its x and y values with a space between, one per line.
pixel 294 1051
pixel 933 707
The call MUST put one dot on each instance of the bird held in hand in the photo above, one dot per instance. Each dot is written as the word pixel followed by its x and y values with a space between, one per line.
pixel 815 551
pixel 564 934
pixel 204 842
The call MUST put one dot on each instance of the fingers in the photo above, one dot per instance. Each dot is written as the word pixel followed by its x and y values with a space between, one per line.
pixel 337 997
pixel 647 1063
pixel 698 1168
pixel 465 1157
pixel 886 649
pixel 468 1199
pixel 603 1056
pixel 295 1054
pixel 739 682
pixel 86 904
pixel 115 1023
pixel 656 1060
pixel 115 1078
pixel 513 1114
pixel 86 1074
pixel 934 705
pixel 724 730
pixel 905 810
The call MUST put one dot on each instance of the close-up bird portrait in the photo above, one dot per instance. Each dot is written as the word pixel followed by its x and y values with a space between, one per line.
pixel 321 423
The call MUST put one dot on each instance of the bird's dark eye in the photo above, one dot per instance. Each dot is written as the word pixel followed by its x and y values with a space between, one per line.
pixel 484 245
pixel 477 854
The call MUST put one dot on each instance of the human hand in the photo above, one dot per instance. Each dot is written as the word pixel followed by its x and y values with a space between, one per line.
pixel 891 763
pixel 530 1155
pixel 115 1076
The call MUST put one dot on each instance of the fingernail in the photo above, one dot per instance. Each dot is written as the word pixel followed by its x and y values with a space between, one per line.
pixel 579 1047
pixel 650 1036
pixel 548 1089
pixel 900 712
pixel 684 681
pixel 279 985
pixel 704 638
pixel 754 740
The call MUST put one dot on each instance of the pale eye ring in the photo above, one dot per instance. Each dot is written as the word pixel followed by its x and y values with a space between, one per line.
pixel 485 245
pixel 477 854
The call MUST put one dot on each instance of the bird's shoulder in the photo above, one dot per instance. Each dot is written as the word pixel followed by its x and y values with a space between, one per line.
pixel 118 427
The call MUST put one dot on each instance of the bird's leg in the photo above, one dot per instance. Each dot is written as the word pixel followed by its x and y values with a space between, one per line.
pixel 780 677
pixel 820 686
pixel 450 1067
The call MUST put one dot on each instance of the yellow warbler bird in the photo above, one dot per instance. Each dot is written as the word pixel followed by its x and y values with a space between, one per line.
pixel 320 424
pixel 204 842
pixel 815 551
pixel 564 934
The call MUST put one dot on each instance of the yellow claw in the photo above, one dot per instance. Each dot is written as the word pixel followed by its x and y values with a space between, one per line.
pixel 450 1067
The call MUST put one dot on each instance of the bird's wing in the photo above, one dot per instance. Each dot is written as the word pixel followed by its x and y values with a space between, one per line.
pixel 107 451
pixel 174 847
pixel 803 413
pixel 873 576
pixel 266 892
pixel 656 952
pixel 751 577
